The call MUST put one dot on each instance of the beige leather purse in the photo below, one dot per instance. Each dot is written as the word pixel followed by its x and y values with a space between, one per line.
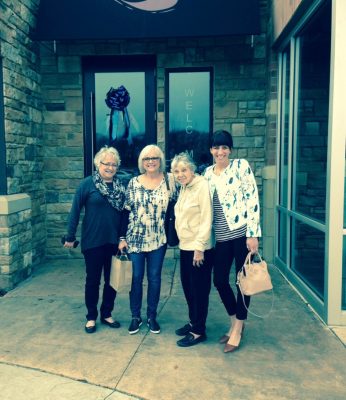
pixel 254 277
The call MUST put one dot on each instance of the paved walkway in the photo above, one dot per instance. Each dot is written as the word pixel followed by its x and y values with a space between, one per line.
pixel 45 354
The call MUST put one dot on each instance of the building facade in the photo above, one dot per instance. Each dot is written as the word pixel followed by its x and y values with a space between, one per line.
pixel 264 77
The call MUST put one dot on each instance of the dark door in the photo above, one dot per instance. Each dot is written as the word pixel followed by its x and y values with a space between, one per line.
pixel 128 128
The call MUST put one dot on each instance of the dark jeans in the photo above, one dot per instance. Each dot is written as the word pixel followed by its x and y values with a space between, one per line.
pixel 225 253
pixel 96 260
pixel 196 282
pixel 154 261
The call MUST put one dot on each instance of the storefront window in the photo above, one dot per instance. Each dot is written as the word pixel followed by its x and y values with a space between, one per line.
pixel 308 255
pixel 282 243
pixel 189 115
pixel 284 131
pixel 303 128
pixel 309 192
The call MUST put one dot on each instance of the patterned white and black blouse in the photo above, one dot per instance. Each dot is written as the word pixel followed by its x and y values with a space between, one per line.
pixel 147 207
pixel 238 196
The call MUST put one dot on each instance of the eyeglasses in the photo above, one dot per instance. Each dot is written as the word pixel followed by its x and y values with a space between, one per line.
pixel 147 159
pixel 108 164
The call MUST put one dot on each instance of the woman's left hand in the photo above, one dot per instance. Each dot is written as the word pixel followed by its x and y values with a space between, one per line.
pixel 198 258
pixel 252 244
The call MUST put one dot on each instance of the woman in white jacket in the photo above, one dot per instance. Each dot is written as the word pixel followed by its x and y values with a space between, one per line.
pixel 236 222
pixel 193 213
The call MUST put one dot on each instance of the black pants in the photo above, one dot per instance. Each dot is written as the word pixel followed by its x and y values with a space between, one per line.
pixel 196 282
pixel 96 260
pixel 225 253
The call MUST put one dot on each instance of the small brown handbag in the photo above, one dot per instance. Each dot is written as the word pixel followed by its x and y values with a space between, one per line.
pixel 254 278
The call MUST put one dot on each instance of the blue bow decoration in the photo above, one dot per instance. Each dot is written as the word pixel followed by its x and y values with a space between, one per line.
pixel 117 100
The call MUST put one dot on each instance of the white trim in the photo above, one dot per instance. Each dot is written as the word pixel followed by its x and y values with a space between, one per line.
pixel 336 165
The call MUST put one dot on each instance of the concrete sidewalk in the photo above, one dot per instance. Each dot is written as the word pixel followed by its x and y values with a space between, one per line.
pixel 45 353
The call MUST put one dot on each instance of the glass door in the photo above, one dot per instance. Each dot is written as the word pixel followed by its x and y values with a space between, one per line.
pixel 119 101
pixel 189 114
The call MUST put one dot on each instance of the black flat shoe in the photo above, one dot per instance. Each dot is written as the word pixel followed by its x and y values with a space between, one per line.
pixel 189 340
pixel 184 330
pixel 114 324
pixel 90 329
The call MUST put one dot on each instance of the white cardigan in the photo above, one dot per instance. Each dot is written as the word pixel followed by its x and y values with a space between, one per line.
pixel 237 191
pixel 193 216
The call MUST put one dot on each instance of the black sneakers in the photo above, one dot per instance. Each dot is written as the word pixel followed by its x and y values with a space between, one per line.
pixel 184 330
pixel 137 322
pixel 134 325
pixel 153 326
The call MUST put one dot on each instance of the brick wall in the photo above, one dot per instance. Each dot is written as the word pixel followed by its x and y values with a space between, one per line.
pixel 23 118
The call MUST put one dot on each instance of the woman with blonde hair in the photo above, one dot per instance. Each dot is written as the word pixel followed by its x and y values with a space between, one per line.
pixel 144 234
pixel 102 196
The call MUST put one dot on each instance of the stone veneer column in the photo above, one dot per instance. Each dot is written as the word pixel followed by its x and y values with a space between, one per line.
pixel 268 212
pixel 16 240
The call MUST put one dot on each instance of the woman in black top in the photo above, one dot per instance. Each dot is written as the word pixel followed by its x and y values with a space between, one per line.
pixel 102 197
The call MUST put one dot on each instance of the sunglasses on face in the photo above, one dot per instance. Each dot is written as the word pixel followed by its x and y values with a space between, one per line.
pixel 147 159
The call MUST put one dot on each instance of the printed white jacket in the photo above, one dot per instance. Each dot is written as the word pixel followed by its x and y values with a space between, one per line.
pixel 238 195
pixel 193 216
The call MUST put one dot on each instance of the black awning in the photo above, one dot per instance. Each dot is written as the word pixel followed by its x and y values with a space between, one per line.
pixel 114 19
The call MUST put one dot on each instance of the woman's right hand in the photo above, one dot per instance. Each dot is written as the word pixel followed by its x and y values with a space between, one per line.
pixel 69 245
pixel 122 245
pixel 198 258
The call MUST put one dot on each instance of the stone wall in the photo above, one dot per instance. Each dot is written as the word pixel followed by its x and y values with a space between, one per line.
pixel 15 240
pixel 240 101
pixel 23 133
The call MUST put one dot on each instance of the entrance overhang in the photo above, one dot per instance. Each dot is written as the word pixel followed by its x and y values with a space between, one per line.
pixel 116 19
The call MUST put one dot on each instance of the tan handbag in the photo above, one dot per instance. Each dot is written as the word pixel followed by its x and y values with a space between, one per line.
pixel 121 272
pixel 254 278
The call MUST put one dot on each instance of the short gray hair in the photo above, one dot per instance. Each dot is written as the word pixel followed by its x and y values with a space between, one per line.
pixel 151 148
pixel 184 158
pixel 103 152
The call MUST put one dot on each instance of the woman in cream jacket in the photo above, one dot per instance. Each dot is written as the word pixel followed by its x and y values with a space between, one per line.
pixel 193 213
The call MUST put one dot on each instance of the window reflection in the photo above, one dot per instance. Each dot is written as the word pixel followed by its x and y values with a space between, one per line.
pixel 284 127
pixel 189 116
pixel 282 243
pixel 308 255
pixel 312 118
pixel 130 146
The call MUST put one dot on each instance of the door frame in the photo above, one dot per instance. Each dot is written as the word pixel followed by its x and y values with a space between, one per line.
pixel 95 64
